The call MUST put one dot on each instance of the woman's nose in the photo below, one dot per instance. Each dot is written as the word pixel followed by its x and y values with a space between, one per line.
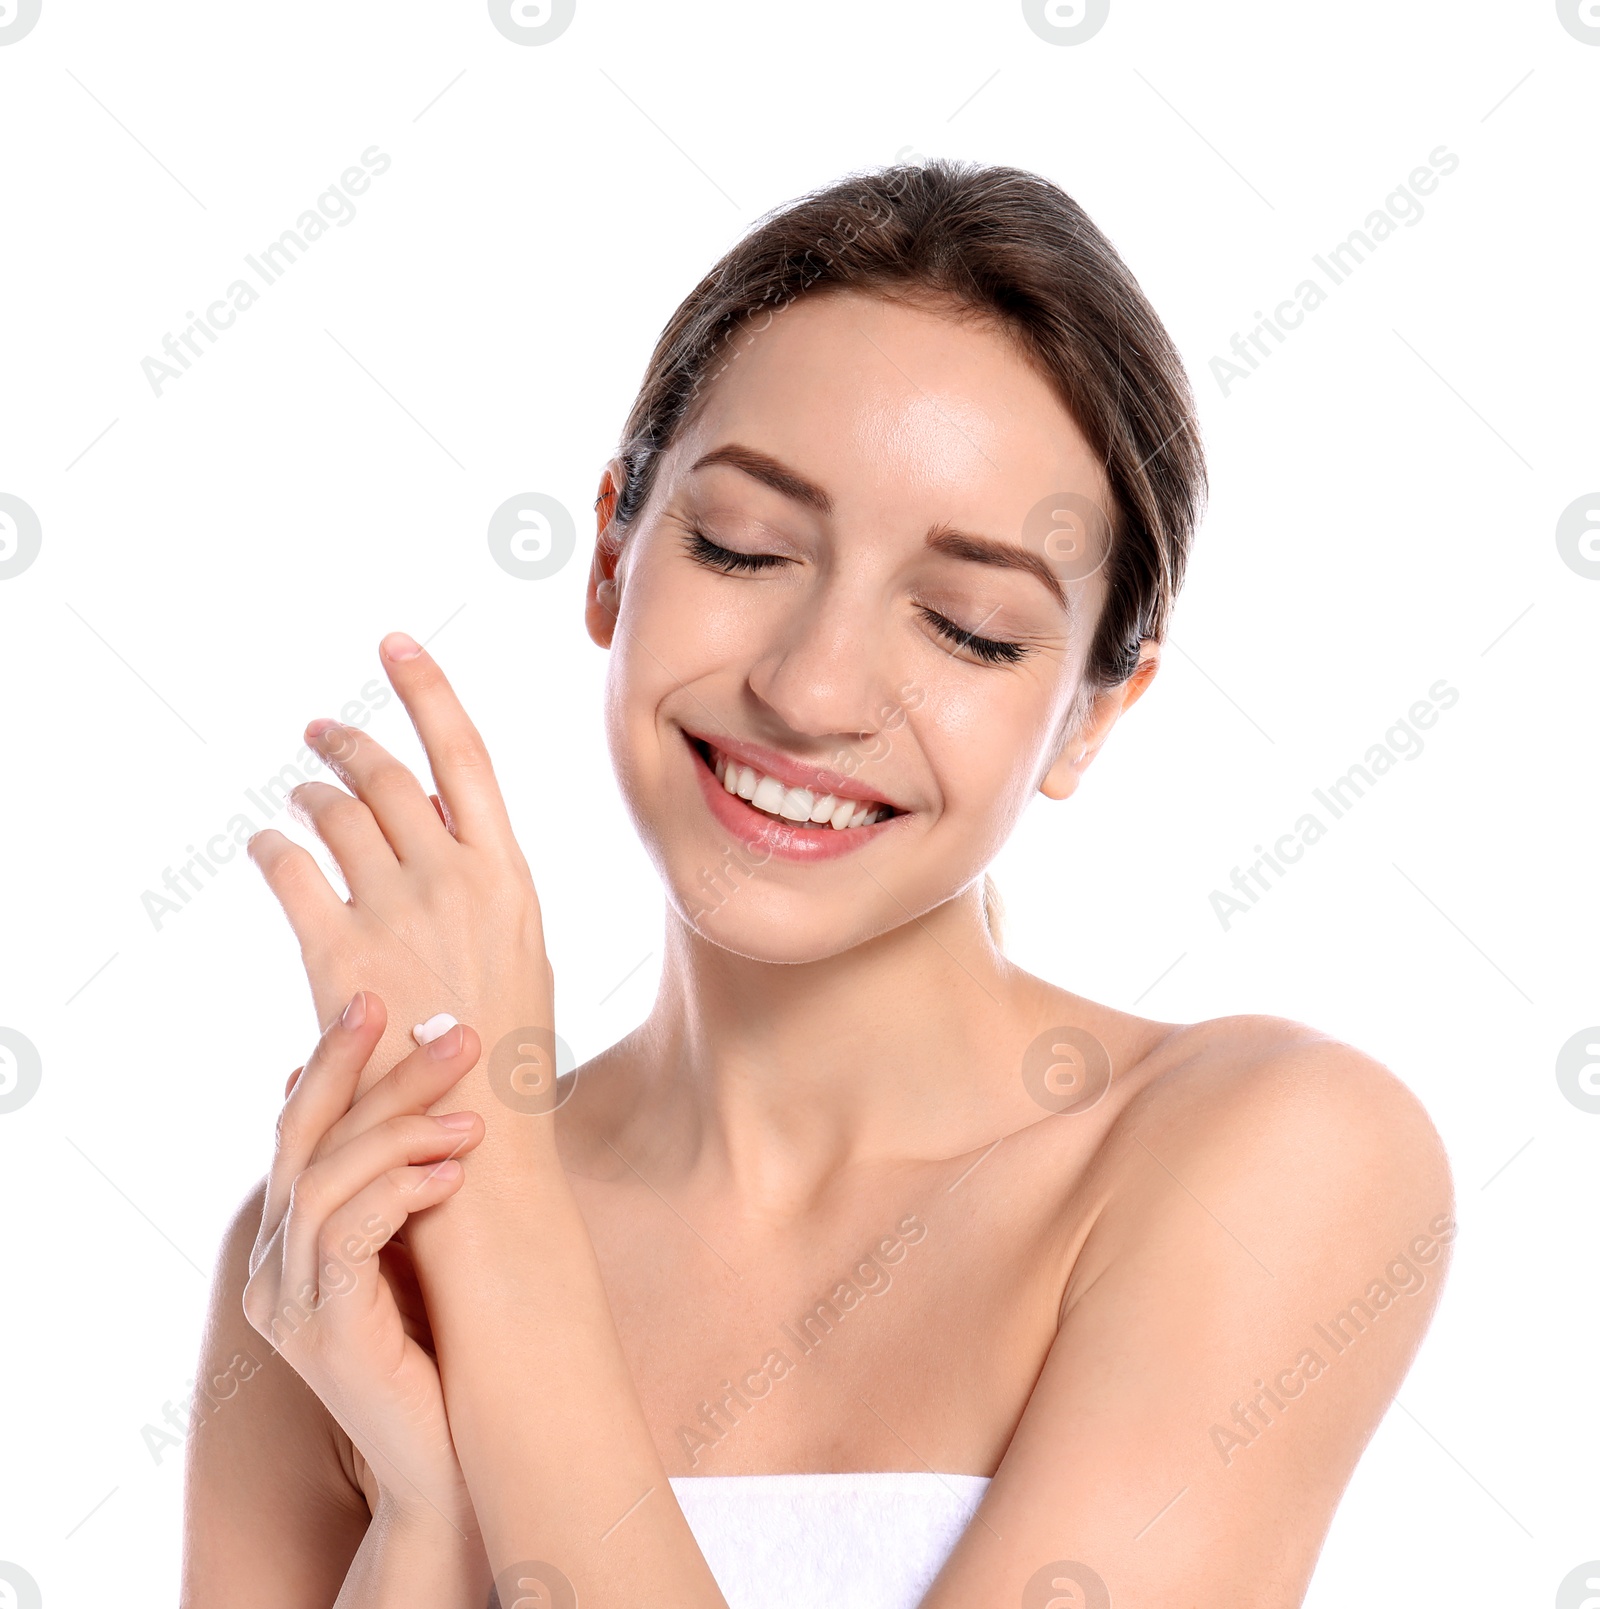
pixel 825 675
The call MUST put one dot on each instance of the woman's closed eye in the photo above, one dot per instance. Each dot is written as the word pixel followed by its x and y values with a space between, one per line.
pixel 991 650
pixel 704 551
pixel 988 650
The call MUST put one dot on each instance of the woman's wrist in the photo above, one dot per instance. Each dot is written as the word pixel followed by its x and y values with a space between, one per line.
pixel 416 1555
pixel 515 1202
pixel 416 1525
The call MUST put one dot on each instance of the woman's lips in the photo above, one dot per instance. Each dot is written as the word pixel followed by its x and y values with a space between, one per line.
pixel 783 840
pixel 793 773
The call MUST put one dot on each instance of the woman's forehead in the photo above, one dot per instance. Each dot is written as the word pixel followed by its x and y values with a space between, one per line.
pixel 867 395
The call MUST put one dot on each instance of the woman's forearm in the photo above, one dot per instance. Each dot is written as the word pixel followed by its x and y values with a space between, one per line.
pixel 543 1410
pixel 411 1563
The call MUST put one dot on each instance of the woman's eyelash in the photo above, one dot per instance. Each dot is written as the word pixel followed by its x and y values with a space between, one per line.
pixel 705 551
pixel 988 649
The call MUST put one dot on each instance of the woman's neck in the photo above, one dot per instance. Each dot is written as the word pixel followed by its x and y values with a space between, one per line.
pixel 769 1079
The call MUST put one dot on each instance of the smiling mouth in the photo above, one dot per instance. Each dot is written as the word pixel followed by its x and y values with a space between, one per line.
pixel 798 807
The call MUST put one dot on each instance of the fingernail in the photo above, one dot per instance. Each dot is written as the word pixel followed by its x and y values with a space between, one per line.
pixel 426 1032
pixel 397 645
pixel 448 1044
pixel 448 1169
pixel 356 1012
pixel 316 728
pixel 455 1120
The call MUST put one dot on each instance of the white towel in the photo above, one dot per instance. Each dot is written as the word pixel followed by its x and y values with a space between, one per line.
pixel 851 1541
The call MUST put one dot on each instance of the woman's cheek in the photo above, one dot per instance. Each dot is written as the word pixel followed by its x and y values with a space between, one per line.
pixel 983 752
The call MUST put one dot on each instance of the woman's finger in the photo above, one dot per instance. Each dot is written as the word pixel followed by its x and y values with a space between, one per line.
pixel 317 1099
pixel 309 900
pixel 322 1190
pixel 387 788
pixel 413 1084
pixel 349 1264
pixel 456 753
pixel 350 831
pixel 346 1261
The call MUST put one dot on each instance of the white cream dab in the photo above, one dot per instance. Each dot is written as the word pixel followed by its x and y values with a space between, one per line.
pixel 426 1032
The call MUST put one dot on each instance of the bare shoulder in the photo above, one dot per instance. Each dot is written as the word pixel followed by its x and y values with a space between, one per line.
pixel 1289 1139
pixel 1265 1091
pixel 272 1511
pixel 1257 1242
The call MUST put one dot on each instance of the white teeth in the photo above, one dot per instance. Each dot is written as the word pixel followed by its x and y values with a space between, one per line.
pixel 769 795
pixel 796 804
pixel 793 804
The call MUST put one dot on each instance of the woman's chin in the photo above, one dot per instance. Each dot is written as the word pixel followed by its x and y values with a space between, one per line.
pixel 785 944
pixel 779 937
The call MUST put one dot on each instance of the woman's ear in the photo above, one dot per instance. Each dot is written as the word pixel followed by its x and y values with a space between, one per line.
pixel 1087 736
pixel 604 592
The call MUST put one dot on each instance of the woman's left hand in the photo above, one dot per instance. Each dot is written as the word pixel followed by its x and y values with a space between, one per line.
pixel 346 1177
pixel 442 915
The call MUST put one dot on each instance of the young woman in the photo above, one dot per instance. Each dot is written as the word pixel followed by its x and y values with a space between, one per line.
pixel 869 1269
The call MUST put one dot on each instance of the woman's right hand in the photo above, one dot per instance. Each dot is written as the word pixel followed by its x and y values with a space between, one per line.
pixel 346 1176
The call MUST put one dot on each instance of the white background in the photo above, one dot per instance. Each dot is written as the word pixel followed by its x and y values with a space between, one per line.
pixel 219 562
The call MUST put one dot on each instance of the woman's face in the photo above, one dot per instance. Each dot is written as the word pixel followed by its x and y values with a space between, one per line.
pixel 860 581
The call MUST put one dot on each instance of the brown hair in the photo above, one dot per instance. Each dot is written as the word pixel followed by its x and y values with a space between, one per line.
pixel 999 243
pixel 994 243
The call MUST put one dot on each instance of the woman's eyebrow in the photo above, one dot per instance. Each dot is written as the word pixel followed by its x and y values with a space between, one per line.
pixel 1004 555
pixel 941 538
pixel 766 469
